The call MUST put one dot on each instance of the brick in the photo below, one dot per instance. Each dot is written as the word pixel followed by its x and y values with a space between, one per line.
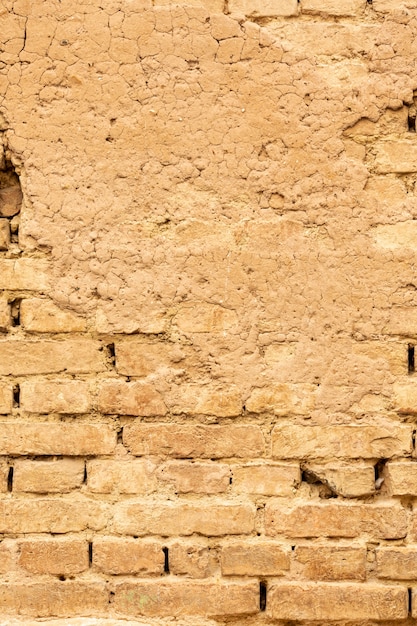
pixel 7 556
pixel 386 6
pixel 4 234
pixel 263 558
pixel 207 400
pixel 62 476
pixel 50 515
pixel 402 320
pixel 189 441
pixel 179 598
pixel 283 400
pixel 24 275
pixel 5 315
pixel 264 8
pixel 56 438
pixel 401 478
pixel 318 562
pixel 201 317
pixel 349 8
pixel 112 318
pixel 123 398
pixel 54 396
pixel 405 398
pixel 128 556
pixel 53 556
pixel 267 480
pixel 196 477
pixel 6 399
pixel 382 441
pixel 50 598
pixel 399 157
pixel 184 519
pixel 43 316
pixel 136 358
pixel 347 480
pixel 396 563
pixel 393 237
pixel 21 358
pixel 192 559
pixel 10 200
pixel 131 476
pixel 384 521
pixel 327 601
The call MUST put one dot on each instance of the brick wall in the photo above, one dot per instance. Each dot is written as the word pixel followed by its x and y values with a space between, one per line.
pixel 208 312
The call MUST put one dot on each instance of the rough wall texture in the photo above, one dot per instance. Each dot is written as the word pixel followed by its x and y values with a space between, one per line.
pixel 208 312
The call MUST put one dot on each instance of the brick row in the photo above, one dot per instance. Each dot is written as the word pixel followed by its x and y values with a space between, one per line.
pixel 115 556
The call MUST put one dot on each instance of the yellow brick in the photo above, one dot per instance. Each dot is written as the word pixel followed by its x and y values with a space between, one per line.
pixel 267 479
pixel 43 316
pixel 327 601
pixel 329 562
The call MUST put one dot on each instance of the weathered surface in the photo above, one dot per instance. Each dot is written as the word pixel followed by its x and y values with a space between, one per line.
pixel 208 312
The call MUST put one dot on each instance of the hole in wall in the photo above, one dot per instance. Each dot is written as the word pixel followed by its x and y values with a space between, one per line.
pixel 10 479
pixel 262 595
pixel 90 553
pixel 411 361
pixel 166 560
pixel 16 396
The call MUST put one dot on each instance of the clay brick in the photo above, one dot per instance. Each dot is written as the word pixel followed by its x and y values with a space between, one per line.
pixel 128 556
pixel 327 601
pixel 399 157
pixel 47 476
pixel 53 556
pixel 179 598
pixel 223 27
pixel 54 396
pixel 24 274
pixel 6 399
pixel 267 480
pixel 192 559
pixel 396 563
pixel 131 476
pixel 10 200
pixel 264 8
pixel 136 358
pixel 50 598
pixel 184 519
pixel 196 477
pixel 51 438
pixel 349 8
pixel 405 398
pixel 201 317
pixel 336 520
pixel 130 399
pixel 21 358
pixel 4 234
pixel 111 319
pixel 393 237
pixel 403 320
pixel 7 556
pixel 383 441
pixel 386 6
pixel 43 316
pixel 347 480
pixel 5 315
pixel 50 515
pixel 325 562
pixel 283 400
pixel 181 440
pixel 402 478
pixel 207 400
pixel 264 558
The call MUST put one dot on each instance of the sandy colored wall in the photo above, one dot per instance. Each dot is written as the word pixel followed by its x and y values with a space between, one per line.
pixel 208 291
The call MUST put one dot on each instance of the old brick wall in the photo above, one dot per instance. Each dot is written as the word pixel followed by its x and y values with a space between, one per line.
pixel 208 311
